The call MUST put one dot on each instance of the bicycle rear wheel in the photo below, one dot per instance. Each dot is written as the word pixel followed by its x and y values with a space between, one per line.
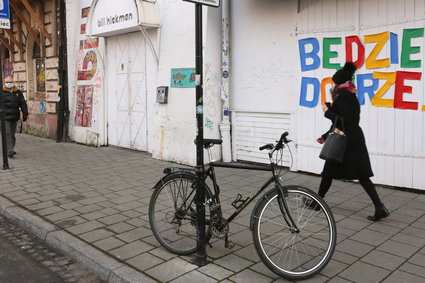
pixel 172 213
pixel 294 255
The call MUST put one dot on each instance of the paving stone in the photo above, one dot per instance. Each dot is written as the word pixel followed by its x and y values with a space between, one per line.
pixel 175 268
pixel 112 219
pixel 96 235
pixel 362 272
pixel 85 227
pixel 144 261
pixel 194 276
pixel 384 260
pixel 109 243
pixel 401 276
pixel 261 268
pixel 134 234
pixel 120 227
pixel 418 259
pixel 249 276
pixel 233 262
pixel 370 237
pixel 62 215
pixel 418 270
pixel 354 248
pixel 333 268
pixel 215 271
pixel 131 250
pixel 128 274
pixel 398 249
pixel 93 215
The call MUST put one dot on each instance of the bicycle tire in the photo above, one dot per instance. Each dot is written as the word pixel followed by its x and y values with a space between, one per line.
pixel 172 213
pixel 292 255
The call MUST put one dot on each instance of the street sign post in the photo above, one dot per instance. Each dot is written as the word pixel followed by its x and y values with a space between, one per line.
pixel 201 252
pixel 4 24
pixel 213 3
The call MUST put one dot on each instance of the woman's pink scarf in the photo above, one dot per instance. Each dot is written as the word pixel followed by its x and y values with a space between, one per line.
pixel 347 86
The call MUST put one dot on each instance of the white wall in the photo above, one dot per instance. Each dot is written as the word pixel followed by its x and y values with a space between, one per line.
pixel 263 82
pixel 263 44
pixel 395 137
pixel 175 122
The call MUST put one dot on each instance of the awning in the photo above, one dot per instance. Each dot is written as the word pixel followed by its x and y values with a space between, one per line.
pixel 112 17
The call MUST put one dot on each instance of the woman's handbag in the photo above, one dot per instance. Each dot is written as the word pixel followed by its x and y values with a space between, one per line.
pixel 334 148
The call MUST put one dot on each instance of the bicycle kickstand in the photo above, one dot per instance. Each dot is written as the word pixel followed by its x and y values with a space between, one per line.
pixel 228 244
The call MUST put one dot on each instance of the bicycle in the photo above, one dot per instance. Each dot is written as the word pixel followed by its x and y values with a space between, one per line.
pixel 294 231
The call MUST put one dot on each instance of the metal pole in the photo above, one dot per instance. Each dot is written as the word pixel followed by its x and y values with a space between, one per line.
pixel 62 71
pixel 201 253
pixel 3 122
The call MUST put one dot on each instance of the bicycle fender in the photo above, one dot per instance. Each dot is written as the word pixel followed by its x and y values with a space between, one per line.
pixel 169 172
pixel 254 211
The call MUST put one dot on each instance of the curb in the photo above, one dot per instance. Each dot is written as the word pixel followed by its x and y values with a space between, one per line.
pixel 98 262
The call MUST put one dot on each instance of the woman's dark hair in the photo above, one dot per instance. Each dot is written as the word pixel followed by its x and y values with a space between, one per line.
pixel 345 74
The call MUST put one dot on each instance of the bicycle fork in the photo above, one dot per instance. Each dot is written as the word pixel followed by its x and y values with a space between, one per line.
pixel 283 206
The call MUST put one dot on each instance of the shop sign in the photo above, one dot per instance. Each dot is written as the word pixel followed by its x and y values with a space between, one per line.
pixel 110 17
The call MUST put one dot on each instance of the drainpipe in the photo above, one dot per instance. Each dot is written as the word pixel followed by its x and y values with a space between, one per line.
pixel 62 105
pixel 225 77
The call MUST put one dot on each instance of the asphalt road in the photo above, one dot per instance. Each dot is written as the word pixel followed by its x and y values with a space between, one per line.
pixel 25 258
pixel 17 266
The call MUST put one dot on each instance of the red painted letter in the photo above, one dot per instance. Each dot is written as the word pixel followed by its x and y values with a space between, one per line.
pixel 400 89
pixel 349 40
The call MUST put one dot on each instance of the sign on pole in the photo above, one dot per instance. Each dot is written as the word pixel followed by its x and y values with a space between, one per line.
pixel 4 14
pixel 213 3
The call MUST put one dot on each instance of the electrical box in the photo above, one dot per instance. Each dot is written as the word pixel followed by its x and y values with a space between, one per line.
pixel 162 94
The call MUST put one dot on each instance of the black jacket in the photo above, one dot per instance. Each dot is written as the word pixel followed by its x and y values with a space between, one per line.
pixel 356 163
pixel 14 102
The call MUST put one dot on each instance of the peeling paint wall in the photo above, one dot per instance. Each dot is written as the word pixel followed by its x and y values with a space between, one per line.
pixel 86 76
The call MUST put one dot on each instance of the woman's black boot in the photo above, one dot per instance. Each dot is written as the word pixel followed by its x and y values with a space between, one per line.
pixel 380 212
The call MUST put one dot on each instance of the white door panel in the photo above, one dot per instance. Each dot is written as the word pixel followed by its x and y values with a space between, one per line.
pixel 127 91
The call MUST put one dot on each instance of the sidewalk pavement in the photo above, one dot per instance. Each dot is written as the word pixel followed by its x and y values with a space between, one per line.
pixel 92 203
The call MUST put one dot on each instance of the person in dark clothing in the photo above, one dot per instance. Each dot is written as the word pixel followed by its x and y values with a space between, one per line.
pixel 14 103
pixel 356 162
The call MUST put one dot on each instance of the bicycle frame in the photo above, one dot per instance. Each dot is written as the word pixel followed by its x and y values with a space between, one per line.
pixel 281 200
pixel 211 174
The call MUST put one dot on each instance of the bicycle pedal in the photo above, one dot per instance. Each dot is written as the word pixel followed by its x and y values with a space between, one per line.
pixel 239 201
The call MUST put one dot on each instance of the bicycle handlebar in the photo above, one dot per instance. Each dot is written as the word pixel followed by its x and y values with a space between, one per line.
pixel 279 143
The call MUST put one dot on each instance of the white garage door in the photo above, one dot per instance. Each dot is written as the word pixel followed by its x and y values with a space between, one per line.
pixel 126 81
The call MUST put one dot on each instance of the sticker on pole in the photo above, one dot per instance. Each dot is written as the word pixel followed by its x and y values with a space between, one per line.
pixel 213 3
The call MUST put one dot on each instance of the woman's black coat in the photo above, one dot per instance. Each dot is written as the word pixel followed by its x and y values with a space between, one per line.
pixel 14 102
pixel 356 163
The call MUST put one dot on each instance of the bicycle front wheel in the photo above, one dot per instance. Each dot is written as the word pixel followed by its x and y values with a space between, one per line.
pixel 294 255
pixel 172 213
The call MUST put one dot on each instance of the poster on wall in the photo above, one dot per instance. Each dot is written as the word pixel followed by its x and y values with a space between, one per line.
pixel 400 52
pixel 40 74
pixel 84 102
pixel 89 66
pixel 183 77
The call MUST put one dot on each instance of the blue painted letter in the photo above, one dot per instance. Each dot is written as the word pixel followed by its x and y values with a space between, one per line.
pixel 314 82
pixel 313 54
pixel 362 89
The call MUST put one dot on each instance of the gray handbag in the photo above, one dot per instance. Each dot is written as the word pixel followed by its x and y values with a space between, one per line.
pixel 334 148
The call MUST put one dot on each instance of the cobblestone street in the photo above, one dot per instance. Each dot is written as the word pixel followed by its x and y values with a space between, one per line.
pixel 27 255
pixel 92 204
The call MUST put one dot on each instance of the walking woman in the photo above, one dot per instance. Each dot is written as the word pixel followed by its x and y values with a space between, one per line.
pixel 356 163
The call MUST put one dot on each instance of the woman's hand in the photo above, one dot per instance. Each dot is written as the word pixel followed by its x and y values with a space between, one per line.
pixel 320 140
pixel 324 107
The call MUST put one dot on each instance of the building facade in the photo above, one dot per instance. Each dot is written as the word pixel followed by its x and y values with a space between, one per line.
pixel 281 56
pixel 30 54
